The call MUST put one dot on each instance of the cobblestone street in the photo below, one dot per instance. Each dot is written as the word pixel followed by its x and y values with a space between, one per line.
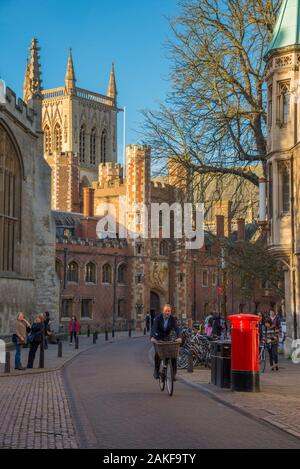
pixel 34 413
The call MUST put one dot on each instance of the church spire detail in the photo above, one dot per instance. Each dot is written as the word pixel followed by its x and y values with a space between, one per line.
pixel 112 87
pixel 70 74
pixel 32 82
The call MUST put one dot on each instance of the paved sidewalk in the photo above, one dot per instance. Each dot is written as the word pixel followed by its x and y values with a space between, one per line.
pixel 52 362
pixel 278 402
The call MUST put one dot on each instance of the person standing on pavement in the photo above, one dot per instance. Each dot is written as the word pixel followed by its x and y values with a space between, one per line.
pixel 20 338
pixel 163 325
pixel 272 340
pixel 73 328
pixel 47 328
pixel 275 320
pixel 148 320
pixel 35 338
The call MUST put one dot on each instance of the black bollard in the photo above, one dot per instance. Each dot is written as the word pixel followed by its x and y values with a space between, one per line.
pixel 7 362
pixel 88 331
pixel 113 333
pixel 106 335
pixel 42 353
pixel 144 331
pixel 77 343
pixel 94 338
pixel 59 350
pixel 190 367
pixel 129 333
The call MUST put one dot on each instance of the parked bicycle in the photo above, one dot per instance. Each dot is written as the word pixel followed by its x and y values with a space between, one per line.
pixel 198 345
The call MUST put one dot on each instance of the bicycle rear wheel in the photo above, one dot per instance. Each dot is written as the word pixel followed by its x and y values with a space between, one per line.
pixel 170 378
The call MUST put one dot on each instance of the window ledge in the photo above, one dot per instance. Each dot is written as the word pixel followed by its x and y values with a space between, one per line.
pixel 13 276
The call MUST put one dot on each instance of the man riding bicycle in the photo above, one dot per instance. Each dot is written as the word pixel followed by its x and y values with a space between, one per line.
pixel 163 325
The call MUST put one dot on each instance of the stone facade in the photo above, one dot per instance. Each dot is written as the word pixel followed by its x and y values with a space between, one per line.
pixel 157 270
pixel 283 159
pixel 28 281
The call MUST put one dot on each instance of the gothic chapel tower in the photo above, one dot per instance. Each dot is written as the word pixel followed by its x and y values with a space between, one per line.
pixel 80 132
pixel 283 158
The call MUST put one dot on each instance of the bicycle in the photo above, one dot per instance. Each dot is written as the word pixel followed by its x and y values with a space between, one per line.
pixel 166 351
pixel 262 357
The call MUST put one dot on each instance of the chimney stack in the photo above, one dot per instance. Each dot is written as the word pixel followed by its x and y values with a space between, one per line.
pixel 88 202
pixel 241 229
pixel 220 226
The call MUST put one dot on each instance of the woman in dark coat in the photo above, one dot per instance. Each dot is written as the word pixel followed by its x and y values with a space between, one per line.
pixel 35 338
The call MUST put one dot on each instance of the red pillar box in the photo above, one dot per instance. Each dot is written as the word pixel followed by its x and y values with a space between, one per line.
pixel 244 353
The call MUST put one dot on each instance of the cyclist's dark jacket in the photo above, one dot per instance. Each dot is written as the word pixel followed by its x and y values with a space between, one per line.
pixel 158 331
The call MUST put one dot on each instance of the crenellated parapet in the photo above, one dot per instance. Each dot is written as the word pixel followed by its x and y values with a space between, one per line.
pixel 110 174
pixel 19 109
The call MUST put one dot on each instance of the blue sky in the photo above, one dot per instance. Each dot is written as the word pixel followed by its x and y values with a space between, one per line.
pixel 130 33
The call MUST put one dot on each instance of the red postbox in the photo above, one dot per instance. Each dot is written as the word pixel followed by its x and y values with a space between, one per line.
pixel 244 352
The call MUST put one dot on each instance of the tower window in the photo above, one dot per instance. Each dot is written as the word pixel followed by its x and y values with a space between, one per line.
pixel 205 278
pixel 284 99
pixel 47 139
pixel 106 274
pixel 270 105
pixel 90 273
pixel 270 192
pixel 93 147
pixel 285 189
pixel 82 144
pixel 103 146
pixel 122 274
pixel 58 138
pixel 73 272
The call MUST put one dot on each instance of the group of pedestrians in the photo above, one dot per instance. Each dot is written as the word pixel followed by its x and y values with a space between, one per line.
pixel 32 334
pixel 215 326
pixel 36 333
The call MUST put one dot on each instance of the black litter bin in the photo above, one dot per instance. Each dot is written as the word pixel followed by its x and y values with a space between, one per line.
pixel 221 364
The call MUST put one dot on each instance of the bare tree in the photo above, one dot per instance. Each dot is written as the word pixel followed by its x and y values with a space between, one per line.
pixel 214 120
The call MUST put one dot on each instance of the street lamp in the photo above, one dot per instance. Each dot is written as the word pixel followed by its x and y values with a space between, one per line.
pixel 194 301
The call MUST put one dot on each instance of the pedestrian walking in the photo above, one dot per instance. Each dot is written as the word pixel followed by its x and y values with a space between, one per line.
pixel 35 338
pixel 209 328
pixel 148 320
pixel 73 329
pixel 47 328
pixel 20 338
pixel 272 340
pixel 217 326
pixel 274 318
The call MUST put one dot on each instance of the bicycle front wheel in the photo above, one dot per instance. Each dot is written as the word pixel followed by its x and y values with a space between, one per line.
pixel 170 378
pixel 162 376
